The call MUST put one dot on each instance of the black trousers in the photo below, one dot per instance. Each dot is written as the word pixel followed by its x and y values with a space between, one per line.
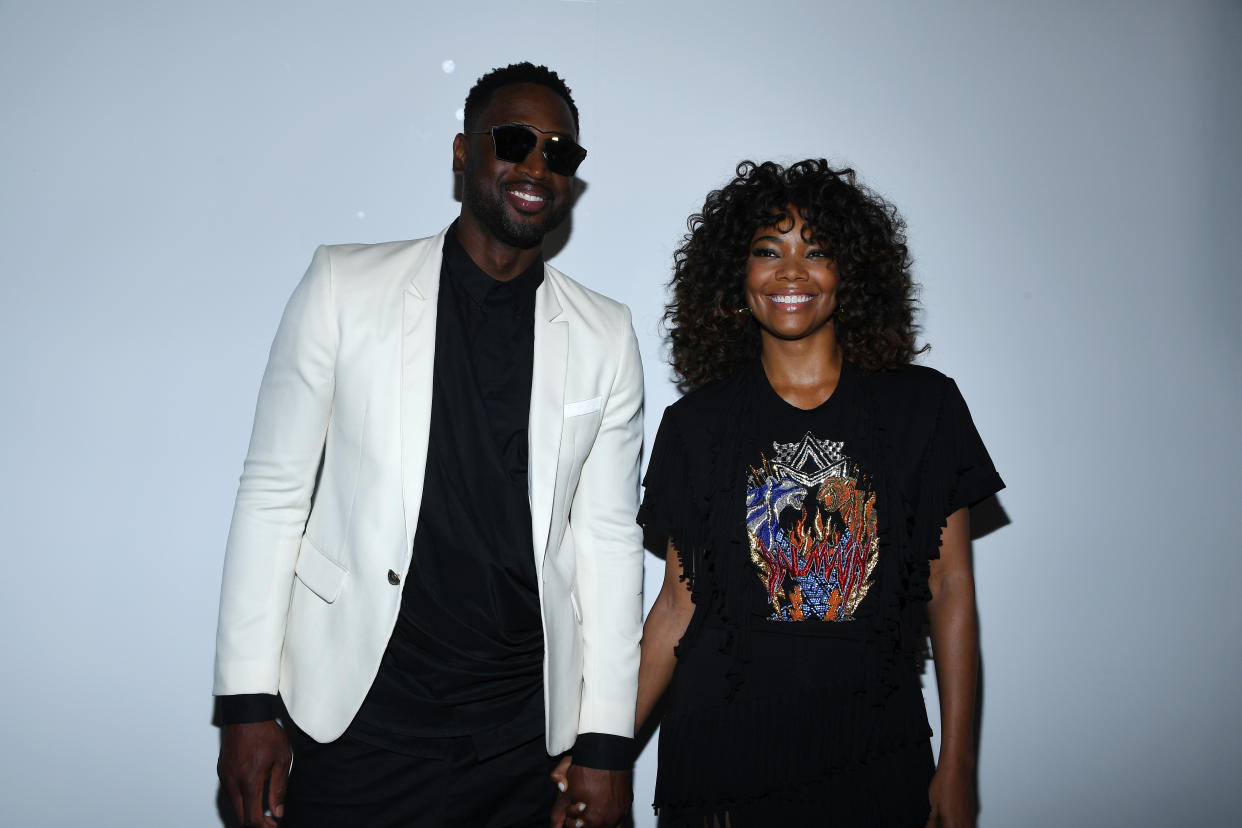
pixel 351 784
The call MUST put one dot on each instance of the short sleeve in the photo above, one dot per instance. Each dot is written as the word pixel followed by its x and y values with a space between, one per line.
pixel 960 464
pixel 669 504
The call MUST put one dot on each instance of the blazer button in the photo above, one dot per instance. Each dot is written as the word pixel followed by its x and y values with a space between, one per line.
pixel 393 578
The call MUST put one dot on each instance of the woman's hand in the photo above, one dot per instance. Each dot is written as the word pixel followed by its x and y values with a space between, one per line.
pixel 952 795
pixel 955 648
pixel 563 810
pixel 666 624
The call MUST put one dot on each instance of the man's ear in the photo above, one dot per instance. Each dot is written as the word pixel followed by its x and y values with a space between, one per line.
pixel 459 153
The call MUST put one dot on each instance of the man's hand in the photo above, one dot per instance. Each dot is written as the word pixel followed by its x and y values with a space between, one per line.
pixel 593 799
pixel 251 755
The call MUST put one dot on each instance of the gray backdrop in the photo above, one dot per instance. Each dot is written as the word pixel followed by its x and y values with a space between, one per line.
pixel 1071 179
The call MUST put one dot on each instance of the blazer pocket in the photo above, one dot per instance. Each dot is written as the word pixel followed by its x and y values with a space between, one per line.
pixel 577 409
pixel 319 573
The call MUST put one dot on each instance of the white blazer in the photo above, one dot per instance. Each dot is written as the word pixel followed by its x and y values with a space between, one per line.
pixel 329 496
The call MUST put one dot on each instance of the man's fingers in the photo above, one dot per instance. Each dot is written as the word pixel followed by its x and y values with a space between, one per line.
pixel 247 800
pixel 252 800
pixel 233 792
pixel 601 798
pixel 566 812
pixel 276 789
pixel 245 791
pixel 254 767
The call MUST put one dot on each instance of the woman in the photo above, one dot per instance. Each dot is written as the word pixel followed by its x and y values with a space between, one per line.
pixel 813 486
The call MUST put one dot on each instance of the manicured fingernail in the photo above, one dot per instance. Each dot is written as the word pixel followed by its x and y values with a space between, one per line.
pixel 579 824
pixel 581 808
pixel 560 786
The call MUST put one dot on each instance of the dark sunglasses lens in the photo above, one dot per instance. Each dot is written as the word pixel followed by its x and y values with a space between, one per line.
pixel 563 155
pixel 513 143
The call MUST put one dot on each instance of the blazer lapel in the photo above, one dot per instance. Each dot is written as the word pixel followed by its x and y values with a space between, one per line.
pixel 418 344
pixel 547 406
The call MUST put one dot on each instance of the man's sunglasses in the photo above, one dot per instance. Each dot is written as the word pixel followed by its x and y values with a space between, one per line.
pixel 513 142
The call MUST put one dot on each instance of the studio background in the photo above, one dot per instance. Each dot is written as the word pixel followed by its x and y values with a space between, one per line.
pixel 1070 175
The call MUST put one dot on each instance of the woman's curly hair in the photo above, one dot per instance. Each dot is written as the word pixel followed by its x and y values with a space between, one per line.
pixel 863 234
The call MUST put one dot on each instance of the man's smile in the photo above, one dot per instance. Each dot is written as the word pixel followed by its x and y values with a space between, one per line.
pixel 527 198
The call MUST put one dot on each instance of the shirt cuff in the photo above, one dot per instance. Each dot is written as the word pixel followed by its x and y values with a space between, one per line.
pixel 245 708
pixel 604 751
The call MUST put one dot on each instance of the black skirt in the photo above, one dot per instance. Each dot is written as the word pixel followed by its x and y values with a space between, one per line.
pixel 807 736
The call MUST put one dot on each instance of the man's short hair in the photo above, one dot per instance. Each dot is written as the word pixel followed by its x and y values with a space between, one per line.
pixel 525 72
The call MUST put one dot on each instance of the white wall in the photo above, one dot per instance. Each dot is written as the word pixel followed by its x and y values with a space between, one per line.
pixel 1071 178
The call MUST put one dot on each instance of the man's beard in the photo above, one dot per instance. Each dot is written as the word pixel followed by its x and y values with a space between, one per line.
pixel 489 208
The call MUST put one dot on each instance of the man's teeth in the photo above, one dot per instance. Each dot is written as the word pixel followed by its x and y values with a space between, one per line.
pixel 791 299
pixel 531 197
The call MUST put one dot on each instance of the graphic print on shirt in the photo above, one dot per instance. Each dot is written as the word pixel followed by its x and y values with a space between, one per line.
pixel 811 523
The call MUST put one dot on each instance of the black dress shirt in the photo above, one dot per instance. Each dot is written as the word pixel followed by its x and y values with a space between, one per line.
pixel 466 656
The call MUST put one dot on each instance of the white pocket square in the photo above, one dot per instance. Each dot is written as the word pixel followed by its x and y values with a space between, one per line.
pixel 577 409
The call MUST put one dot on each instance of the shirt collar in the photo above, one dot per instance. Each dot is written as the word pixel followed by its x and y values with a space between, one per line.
pixel 474 280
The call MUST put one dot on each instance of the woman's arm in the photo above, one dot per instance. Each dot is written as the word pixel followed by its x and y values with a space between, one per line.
pixel 955 648
pixel 664 627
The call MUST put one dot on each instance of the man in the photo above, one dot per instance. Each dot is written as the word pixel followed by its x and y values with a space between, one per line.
pixel 433 558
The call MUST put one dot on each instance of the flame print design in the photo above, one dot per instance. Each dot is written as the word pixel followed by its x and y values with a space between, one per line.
pixel 811 524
